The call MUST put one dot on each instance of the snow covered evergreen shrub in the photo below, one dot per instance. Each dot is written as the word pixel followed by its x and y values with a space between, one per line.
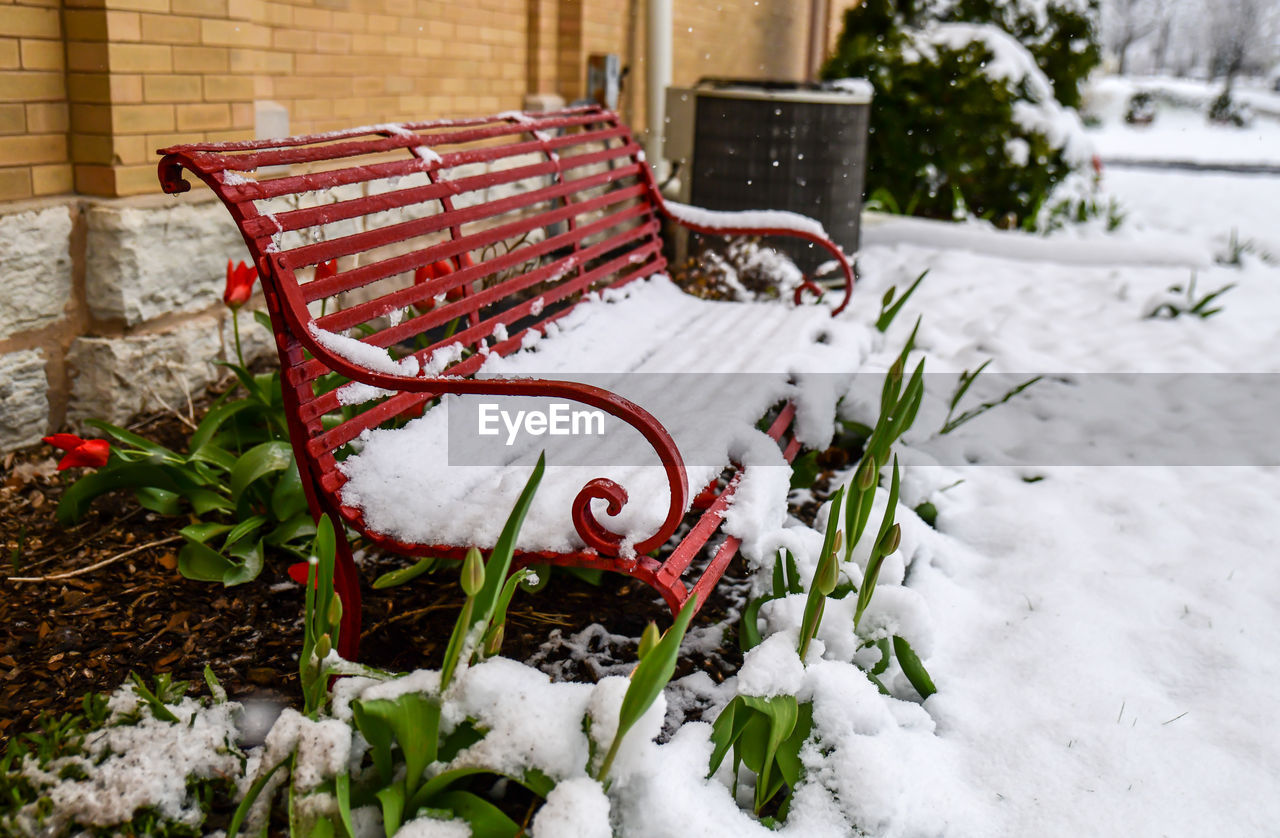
pixel 1224 110
pixel 963 121
pixel 1062 35
pixel 1141 109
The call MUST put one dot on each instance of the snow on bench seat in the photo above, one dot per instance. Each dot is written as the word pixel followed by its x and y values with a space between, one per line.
pixel 708 371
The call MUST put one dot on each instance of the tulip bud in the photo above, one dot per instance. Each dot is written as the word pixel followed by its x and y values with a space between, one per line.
pixel 891 539
pixel 324 646
pixel 335 610
pixel 472 573
pixel 827 576
pixel 867 474
pixel 895 371
pixel 835 548
pixel 493 640
pixel 648 640
pixel 888 296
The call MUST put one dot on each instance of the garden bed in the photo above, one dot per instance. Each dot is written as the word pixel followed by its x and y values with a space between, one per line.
pixel 65 637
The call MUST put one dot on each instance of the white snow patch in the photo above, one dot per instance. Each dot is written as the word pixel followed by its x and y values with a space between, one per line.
pixel 746 219
pixel 576 808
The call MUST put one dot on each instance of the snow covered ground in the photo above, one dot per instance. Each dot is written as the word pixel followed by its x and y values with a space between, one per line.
pixel 1200 207
pixel 1180 131
pixel 1103 637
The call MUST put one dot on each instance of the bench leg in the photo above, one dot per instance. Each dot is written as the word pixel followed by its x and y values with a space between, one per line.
pixel 346 581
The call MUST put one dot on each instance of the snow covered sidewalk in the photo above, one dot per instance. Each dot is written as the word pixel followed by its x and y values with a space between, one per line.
pixel 1104 637
pixel 1181 132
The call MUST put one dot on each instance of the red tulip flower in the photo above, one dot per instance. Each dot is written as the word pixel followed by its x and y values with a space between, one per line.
pixel 443 268
pixel 240 281
pixel 327 269
pixel 300 571
pixel 81 453
pixel 424 273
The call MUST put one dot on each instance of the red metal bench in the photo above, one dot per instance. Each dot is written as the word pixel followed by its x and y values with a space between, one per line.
pixel 422 218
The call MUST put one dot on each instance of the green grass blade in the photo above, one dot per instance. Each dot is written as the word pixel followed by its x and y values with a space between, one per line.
pixel 485 819
pixel 242 811
pixel 499 564
pixel 392 799
pixel 405 574
pixel 213 420
pixel 130 438
pixel 913 668
pixel 887 315
pixel 342 791
pixel 648 680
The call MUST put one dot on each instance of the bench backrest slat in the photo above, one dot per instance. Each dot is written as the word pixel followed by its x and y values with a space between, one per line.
pixel 292 220
pixel 341 145
pixel 308 255
pixel 414 295
pixel 415 237
pixel 365 274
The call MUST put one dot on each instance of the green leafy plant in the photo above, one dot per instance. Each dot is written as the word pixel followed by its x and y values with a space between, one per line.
pixel 786 580
pixel 765 734
pixel 805 470
pixel 1238 247
pixel 1062 35
pixel 889 306
pixel 410 769
pixel 825 577
pixel 881 199
pixel 898 409
pixel 238 483
pixel 406 770
pixel 1225 110
pixel 61 748
pixel 952 421
pixel 1141 108
pixel 649 678
pixel 1075 209
pixel 1187 303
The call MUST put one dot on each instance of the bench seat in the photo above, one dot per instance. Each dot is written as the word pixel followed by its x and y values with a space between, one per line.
pixel 654 345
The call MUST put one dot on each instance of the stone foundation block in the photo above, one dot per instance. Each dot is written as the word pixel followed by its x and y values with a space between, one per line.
pixel 37 268
pixel 145 262
pixel 117 378
pixel 24 399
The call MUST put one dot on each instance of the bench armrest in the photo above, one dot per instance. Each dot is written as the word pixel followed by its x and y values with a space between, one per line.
pixel 355 363
pixel 760 222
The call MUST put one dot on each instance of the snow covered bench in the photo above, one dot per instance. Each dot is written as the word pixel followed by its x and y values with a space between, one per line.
pixel 458 245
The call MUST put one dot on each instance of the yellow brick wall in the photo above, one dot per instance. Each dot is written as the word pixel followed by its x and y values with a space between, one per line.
pixel 750 39
pixel 754 39
pixel 33 101
pixel 89 92
pixel 140 75
pixel 338 63
pixel 148 73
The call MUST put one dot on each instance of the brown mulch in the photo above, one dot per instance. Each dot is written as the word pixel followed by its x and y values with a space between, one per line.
pixel 64 637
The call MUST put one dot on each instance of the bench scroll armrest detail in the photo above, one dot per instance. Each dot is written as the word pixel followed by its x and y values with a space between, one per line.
pixel 760 222
pixel 593 534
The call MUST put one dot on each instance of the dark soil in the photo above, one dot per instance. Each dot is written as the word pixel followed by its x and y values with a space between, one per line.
pixel 67 635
